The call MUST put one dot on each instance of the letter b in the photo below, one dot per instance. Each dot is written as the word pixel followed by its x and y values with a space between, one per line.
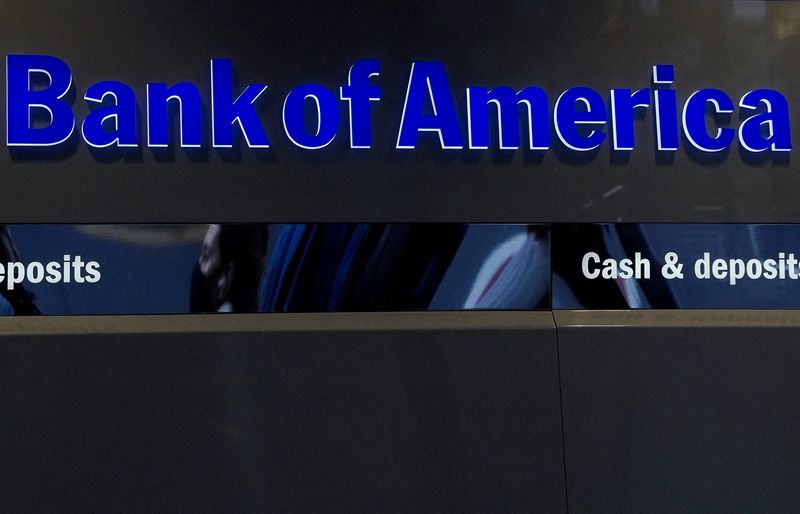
pixel 25 102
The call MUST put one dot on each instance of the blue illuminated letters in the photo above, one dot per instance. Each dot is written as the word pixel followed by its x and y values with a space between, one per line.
pixel 35 88
pixel 40 112
pixel 428 90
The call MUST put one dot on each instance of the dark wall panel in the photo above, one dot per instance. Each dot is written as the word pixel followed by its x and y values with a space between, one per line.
pixel 312 413
pixel 681 411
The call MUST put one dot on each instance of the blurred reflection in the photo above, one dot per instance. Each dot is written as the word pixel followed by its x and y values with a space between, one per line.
pixel 358 267
pixel 514 274
pixel 17 301
pixel 390 267
pixel 225 277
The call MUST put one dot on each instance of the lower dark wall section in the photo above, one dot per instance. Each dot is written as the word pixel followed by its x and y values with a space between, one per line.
pixel 430 412
pixel 408 412
pixel 681 411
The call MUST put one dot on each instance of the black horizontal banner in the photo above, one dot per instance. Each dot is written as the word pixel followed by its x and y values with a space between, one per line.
pixel 137 269
pixel 363 267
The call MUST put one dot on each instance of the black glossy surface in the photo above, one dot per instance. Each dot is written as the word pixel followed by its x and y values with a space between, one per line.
pixel 681 412
pixel 732 45
pixel 658 417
